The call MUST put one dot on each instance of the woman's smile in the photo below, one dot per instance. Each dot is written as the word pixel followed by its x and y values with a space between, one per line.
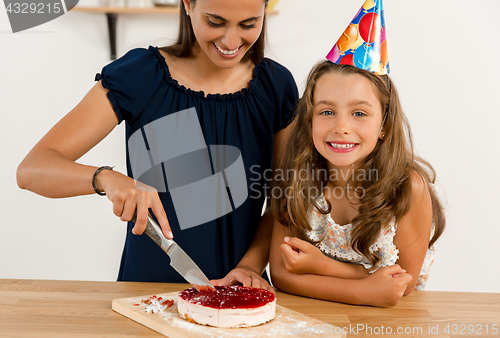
pixel 227 53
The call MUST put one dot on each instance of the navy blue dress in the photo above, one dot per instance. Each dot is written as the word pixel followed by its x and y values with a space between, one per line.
pixel 141 90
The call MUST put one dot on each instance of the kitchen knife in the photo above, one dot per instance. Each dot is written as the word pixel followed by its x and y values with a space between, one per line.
pixel 179 260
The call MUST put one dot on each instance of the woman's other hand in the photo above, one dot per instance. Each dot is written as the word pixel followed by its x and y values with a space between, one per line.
pixel 245 276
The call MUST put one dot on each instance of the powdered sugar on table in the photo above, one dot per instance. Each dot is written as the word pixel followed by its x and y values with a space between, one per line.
pixel 169 323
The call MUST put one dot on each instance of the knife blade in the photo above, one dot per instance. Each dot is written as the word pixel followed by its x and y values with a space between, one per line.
pixel 179 259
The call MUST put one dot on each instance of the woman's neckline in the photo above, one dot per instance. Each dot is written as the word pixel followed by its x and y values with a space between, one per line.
pixel 201 94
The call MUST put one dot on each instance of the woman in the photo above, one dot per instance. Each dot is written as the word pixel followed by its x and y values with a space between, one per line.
pixel 241 99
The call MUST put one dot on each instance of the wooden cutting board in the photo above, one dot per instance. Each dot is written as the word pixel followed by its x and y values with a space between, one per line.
pixel 169 323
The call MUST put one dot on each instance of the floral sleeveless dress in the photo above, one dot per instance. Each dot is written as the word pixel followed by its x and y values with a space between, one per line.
pixel 336 243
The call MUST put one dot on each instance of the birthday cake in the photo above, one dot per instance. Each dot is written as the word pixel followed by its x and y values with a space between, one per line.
pixel 229 306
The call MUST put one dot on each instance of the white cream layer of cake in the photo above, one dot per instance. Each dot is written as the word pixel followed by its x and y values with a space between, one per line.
pixel 242 317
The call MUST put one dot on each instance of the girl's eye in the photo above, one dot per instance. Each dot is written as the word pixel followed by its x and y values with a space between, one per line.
pixel 359 114
pixel 213 24
pixel 326 112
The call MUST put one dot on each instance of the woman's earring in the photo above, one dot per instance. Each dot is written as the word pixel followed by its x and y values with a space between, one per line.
pixel 187 12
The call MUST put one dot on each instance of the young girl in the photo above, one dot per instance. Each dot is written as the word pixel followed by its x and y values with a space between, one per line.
pixel 349 187
pixel 242 99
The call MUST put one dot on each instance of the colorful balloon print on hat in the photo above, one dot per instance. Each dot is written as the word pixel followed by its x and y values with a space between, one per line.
pixel 363 43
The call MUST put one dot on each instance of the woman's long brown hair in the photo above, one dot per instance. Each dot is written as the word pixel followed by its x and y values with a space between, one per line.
pixel 386 196
pixel 183 47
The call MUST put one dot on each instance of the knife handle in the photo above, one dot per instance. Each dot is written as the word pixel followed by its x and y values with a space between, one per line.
pixel 153 230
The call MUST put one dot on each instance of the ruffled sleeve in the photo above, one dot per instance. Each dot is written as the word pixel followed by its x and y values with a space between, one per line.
pixel 289 101
pixel 131 81
pixel 282 93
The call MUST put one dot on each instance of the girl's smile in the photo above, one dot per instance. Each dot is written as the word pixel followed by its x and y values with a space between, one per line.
pixel 346 120
pixel 342 147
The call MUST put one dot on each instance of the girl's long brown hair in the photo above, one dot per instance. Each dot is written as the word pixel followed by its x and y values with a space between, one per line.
pixel 183 47
pixel 387 195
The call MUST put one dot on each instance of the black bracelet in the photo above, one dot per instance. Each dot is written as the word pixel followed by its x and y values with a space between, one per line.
pixel 102 193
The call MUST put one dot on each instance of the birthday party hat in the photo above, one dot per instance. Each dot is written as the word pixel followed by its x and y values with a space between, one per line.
pixel 363 44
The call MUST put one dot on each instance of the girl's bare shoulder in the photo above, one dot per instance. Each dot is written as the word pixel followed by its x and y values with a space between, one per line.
pixel 419 186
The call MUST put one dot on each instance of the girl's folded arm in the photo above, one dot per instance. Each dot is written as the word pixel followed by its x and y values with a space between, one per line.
pixel 414 229
pixel 309 285
pixel 378 289
pixel 300 256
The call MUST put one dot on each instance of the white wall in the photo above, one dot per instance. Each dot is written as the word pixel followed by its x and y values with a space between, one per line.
pixel 443 56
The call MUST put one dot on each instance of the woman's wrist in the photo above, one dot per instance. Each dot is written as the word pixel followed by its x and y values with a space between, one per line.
pixel 99 179
pixel 247 264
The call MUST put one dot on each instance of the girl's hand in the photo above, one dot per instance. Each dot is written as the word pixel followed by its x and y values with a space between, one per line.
pixel 385 287
pixel 129 196
pixel 300 257
pixel 245 276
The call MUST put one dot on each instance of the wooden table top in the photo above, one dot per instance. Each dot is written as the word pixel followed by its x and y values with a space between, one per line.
pixel 46 308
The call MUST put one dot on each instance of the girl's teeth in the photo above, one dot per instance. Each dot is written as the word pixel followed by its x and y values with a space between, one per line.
pixel 343 145
pixel 226 52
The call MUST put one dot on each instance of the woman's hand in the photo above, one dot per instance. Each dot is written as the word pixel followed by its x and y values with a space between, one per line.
pixel 245 276
pixel 249 270
pixel 385 287
pixel 129 196
pixel 300 256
